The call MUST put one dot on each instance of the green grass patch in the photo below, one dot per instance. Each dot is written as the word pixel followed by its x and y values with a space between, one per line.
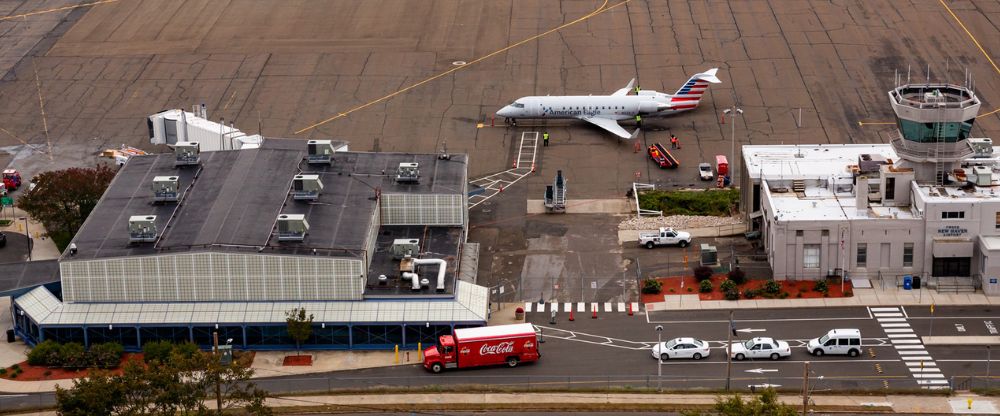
pixel 712 202
pixel 4 223
pixel 61 238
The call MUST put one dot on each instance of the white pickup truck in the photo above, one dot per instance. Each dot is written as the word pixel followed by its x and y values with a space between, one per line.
pixel 666 236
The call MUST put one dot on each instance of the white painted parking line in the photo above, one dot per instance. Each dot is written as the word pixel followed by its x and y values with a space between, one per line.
pixel 621 306
pixel 917 357
pixel 881 320
pixel 567 307
pixel 593 307
pixel 607 307
pixel 528 306
pixel 905 341
pixel 895 325
pixel 581 307
pixel 913 352
pixel 902 335
pixel 897 330
pixel 554 306
pixel 888 315
pixel 884 309
pixel 635 307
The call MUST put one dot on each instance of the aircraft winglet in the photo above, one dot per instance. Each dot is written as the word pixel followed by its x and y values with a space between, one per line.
pixel 635 134
pixel 709 76
pixel 625 91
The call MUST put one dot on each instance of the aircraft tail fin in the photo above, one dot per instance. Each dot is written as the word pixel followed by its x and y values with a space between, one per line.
pixel 690 93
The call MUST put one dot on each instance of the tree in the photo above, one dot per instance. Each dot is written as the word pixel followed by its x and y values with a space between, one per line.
pixel 299 326
pixel 62 199
pixel 766 404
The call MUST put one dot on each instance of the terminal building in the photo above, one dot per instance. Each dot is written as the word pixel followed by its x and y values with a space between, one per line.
pixel 927 204
pixel 189 243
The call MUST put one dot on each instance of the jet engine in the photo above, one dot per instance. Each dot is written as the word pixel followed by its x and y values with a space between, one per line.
pixel 647 107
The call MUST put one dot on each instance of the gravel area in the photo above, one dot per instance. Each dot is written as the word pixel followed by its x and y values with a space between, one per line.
pixel 679 222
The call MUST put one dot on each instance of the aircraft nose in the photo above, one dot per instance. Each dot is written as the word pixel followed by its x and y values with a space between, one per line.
pixel 504 112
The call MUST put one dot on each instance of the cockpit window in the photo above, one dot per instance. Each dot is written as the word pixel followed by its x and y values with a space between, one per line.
pixel 517 105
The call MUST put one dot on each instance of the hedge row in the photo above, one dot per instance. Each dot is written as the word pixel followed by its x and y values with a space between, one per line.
pixel 72 355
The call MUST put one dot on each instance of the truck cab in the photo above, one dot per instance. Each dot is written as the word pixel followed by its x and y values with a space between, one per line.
pixel 441 356
pixel 666 236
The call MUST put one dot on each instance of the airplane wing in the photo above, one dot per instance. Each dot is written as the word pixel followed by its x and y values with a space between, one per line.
pixel 624 91
pixel 612 126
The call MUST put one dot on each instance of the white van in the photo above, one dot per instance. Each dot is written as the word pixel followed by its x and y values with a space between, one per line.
pixel 837 341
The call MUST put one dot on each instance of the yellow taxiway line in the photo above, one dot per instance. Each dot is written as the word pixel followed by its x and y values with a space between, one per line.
pixel 57 9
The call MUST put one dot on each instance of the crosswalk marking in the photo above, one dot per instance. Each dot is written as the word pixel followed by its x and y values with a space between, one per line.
pixel 880 320
pixel 893 321
pixel 896 325
pixel 888 315
pixel 884 309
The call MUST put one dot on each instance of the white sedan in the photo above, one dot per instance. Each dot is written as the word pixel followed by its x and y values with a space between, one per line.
pixel 681 348
pixel 760 348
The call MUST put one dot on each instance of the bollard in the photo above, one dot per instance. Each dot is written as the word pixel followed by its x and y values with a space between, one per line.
pixel 513 164
pixel 397 353
pixel 595 313
pixel 491 120
pixel 629 308
pixel 970 403
pixel 420 352
pixel 501 188
pixel 532 168
pixel 571 315
pixel 407 356
pixel 722 119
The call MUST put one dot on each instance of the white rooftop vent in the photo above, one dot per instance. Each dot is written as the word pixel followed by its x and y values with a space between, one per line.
pixel 984 175
pixel 292 227
pixel 306 187
pixel 403 247
pixel 982 147
pixel 142 229
pixel 165 189
pixel 408 173
pixel 187 153
pixel 320 151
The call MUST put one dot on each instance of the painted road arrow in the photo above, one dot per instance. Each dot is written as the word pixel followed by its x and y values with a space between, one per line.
pixel 762 370
pixel 749 330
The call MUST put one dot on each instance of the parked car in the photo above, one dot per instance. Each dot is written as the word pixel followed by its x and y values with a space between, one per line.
pixel 3 240
pixel 837 341
pixel 760 348
pixel 705 171
pixel 681 348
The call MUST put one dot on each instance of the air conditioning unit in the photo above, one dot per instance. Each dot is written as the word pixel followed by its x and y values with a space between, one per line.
pixel 166 189
pixel 403 247
pixel 292 227
pixel 142 229
pixel 982 148
pixel 320 151
pixel 984 175
pixel 408 173
pixel 306 187
pixel 187 153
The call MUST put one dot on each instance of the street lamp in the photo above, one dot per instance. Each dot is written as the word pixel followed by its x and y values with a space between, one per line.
pixel 732 162
pixel 659 358
pixel 27 233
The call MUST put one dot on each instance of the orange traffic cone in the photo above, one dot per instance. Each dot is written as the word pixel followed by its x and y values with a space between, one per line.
pixel 571 315
pixel 630 309
pixel 595 313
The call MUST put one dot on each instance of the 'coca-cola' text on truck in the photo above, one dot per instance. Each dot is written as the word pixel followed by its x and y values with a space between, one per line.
pixel 488 345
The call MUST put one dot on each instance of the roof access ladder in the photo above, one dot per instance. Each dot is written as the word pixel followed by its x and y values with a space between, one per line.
pixel 555 194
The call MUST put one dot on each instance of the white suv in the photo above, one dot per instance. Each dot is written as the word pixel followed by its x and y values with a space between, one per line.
pixel 837 341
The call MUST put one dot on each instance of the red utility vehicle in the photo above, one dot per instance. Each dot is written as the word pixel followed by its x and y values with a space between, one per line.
pixel 488 345
pixel 662 156
pixel 721 165
pixel 11 179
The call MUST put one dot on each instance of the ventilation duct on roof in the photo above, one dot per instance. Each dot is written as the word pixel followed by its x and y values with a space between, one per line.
pixel 165 189
pixel 306 187
pixel 408 173
pixel 320 151
pixel 142 229
pixel 292 227
pixel 187 153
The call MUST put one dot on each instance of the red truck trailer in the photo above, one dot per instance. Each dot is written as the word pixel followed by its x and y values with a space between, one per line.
pixel 721 165
pixel 662 156
pixel 488 345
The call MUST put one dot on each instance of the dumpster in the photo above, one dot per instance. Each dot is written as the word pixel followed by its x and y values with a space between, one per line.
pixel 907 282
pixel 916 282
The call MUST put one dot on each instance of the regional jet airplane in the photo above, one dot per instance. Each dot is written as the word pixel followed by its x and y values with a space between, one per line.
pixel 605 110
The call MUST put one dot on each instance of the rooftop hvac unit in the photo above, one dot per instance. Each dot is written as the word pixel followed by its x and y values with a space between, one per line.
pixel 292 227
pixel 403 247
pixel 165 189
pixel 981 147
pixel 187 153
pixel 984 175
pixel 408 173
pixel 306 187
pixel 142 229
pixel 320 151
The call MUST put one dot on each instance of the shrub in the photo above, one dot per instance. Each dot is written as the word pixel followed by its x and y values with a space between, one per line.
pixel 705 286
pixel 702 273
pixel 44 353
pixel 106 355
pixel 672 290
pixel 727 285
pixel 783 295
pixel 157 351
pixel 749 293
pixel 737 276
pixel 47 373
pixel 3 371
pixel 732 294
pixel 798 295
pixel 848 293
pixel 15 367
pixel 186 349
pixel 14 375
pixel 691 289
pixel 821 287
pixel 651 286
pixel 772 287
pixel 73 355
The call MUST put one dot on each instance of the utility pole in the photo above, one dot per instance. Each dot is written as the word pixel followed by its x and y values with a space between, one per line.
pixel 659 358
pixel 729 350
pixel 805 389
pixel 215 358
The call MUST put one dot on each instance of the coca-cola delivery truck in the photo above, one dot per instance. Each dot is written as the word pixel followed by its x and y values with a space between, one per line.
pixel 488 345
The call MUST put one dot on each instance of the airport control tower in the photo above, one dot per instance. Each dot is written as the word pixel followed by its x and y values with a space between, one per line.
pixel 934 122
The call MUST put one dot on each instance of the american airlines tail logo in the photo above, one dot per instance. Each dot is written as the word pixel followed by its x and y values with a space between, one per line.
pixel 501 348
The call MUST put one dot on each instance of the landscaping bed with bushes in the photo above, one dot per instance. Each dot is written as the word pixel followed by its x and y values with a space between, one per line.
pixel 53 361
pixel 713 286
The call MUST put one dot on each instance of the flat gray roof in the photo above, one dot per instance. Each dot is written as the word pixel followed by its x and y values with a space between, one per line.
pixel 231 200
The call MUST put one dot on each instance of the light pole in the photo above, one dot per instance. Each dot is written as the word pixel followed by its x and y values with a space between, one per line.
pixel 988 381
pixel 659 358
pixel 729 350
pixel 27 233
pixel 732 162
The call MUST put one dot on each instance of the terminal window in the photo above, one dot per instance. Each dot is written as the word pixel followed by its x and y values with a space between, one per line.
pixel 810 256
pixel 862 254
pixel 952 215
pixel 908 255
pixel 998 221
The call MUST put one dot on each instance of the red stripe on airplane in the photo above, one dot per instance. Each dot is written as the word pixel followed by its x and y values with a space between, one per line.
pixel 682 107
pixel 675 99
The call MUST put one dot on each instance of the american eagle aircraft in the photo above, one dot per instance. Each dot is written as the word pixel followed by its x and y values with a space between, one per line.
pixel 604 111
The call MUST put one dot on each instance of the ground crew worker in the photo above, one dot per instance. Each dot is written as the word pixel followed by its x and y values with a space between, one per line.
pixel 545 139
pixel 638 120
pixel 673 142
pixel 637 89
